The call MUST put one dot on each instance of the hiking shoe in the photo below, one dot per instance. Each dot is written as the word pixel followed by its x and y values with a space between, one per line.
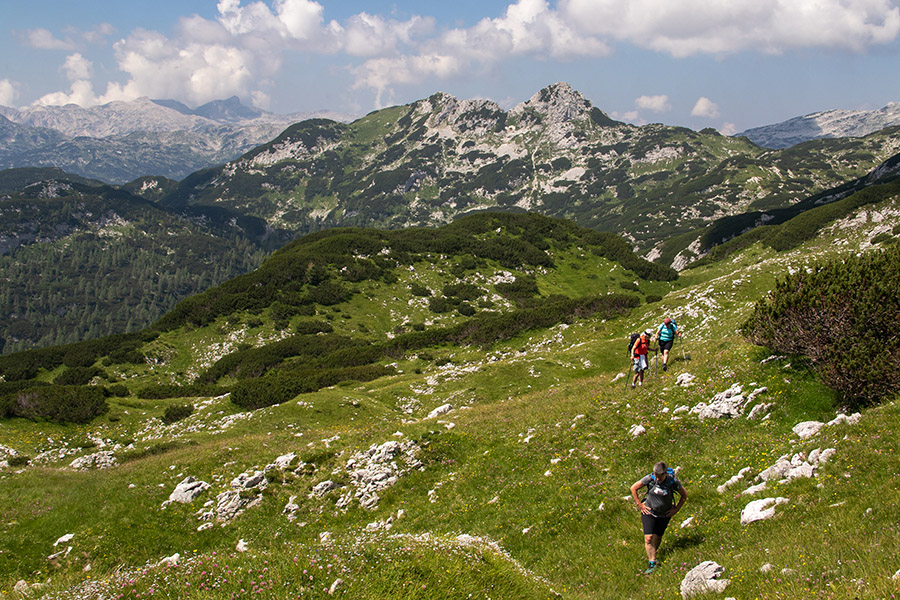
pixel 651 567
pixel 665 367
pixel 632 386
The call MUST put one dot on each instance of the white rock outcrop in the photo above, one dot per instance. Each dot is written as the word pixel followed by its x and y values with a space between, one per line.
pixel 760 510
pixel 703 579
pixel 187 490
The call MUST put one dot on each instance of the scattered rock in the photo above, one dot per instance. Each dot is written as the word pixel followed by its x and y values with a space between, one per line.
pixel 440 410
pixel 248 480
pixel 844 419
pixel 685 380
pixel 766 568
pixel 687 522
pixel 637 430
pixel 186 491
pixel 22 588
pixel 721 489
pixel 323 488
pixel 290 508
pixel 334 586
pixel 704 578
pixel 169 561
pixel 760 510
pixel 759 410
pixel 727 404
pixel 64 539
pixel 755 489
pixel 241 546
pixel 376 469
pixel 807 429
pixel 99 460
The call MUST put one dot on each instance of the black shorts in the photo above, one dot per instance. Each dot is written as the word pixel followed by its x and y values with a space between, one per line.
pixel 654 525
pixel 663 346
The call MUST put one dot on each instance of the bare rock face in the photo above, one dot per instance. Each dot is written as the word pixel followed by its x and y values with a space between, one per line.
pixel 558 103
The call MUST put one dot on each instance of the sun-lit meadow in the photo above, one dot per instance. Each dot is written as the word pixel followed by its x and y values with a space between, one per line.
pixel 523 486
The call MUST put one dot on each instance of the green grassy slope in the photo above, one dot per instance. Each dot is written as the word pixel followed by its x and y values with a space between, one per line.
pixel 519 491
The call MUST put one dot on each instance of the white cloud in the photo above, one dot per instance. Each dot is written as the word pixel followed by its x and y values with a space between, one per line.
pixel 687 27
pixel 653 103
pixel 43 39
pixel 81 93
pixel 705 108
pixel 728 129
pixel 8 92
pixel 78 67
pixel 528 27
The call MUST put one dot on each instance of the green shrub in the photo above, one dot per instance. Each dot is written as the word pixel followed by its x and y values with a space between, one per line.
pixel 466 309
pixel 58 403
pixel 19 460
pixel 78 375
pixel 177 412
pixel 439 304
pixel 118 390
pixel 251 394
pixel 313 327
pixel 843 316
pixel 524 286
pixel 420 290
pixel 171 390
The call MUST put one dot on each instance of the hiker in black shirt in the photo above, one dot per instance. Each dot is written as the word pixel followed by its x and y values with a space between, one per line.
pixel 657 507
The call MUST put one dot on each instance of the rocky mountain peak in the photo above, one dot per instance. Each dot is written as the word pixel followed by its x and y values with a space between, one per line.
pixel 557 103
pixel 476 115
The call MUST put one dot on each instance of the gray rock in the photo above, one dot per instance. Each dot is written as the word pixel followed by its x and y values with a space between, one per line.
pixel 807 429
pixel 99 460
pixel 777 471
pixel 187 490
pixel 704 578
pixel 323 488
pixel 721 489
pixel 246 481
pixel 760 510
pixel 754 489
pixel 440 410
pixel 759 410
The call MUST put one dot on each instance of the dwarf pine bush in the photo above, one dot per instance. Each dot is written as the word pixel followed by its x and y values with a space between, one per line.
pixel 843 316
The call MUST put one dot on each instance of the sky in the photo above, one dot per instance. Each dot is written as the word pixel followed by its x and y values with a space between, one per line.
pixel 727 64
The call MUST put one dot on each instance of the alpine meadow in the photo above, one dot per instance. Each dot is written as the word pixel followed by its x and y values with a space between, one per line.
pixel 389 358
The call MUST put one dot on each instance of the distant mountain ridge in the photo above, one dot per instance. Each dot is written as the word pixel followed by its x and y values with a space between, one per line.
pixel 121 141
pixel 431 161
pixel 824 124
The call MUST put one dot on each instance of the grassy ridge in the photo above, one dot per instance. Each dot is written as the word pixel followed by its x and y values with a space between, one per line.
pixel 537 442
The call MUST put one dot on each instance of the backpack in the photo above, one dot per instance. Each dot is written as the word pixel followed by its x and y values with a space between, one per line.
pixel 669 482
pixel 653 500
pixel 632 339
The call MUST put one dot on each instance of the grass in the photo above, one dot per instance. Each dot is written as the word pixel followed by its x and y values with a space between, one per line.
pixel 533 464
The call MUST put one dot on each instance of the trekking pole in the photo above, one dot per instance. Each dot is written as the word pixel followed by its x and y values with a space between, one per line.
pixel 628 374
pixel 681 343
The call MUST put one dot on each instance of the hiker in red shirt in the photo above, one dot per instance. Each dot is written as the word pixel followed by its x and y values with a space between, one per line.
pixel 639 357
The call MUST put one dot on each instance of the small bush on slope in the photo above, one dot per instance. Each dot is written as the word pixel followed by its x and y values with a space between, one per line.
pixel 843 316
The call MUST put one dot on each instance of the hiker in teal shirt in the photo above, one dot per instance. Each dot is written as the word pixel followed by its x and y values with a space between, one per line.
pixel 666 337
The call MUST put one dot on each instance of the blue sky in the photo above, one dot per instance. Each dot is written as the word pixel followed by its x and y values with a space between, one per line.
pixel 728 64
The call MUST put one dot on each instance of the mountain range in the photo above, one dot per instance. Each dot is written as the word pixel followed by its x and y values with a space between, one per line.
pixel 431 161
pixel 824 124
pixel 120 141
